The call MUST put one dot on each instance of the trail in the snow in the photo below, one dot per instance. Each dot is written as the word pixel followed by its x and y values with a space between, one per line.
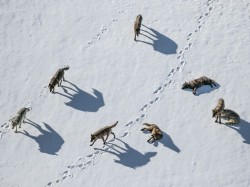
pixel 84 162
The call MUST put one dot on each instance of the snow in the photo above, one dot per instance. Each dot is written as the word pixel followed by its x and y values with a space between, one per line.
pixel 113 78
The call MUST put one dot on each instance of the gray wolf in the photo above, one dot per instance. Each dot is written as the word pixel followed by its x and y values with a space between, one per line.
pixel 156 133
pixel 137 25
pixel 18 119
pixel 196 83
pixel 231 116
pixel 105 131
pixel 216 112
pixel 57 78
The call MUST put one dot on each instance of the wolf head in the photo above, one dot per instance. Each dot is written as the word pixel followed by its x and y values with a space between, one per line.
pixel 50 87
pixel 185 85
pixel 92 138
pixel 214 112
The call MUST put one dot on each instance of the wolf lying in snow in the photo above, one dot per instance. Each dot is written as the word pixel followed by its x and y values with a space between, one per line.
pixel 105 131
pixel 218 110
pixel 156 133
pixel 232 117
pixel 137 25
pixel 57 79
pixel 18 119
pixel 196 83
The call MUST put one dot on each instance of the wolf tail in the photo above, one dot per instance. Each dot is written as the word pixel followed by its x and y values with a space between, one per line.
pixel 65 68
pixel 114 124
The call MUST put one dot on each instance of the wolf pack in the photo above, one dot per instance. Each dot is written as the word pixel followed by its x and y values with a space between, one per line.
pixel 156 133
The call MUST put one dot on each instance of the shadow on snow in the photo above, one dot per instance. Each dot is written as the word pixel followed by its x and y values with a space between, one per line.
pixel 49 140
pixel 160 42
pixel 81 100
pixel 243 128
pixel 129 156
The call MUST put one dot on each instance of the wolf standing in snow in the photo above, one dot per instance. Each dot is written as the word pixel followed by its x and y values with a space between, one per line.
pixel 105 131
pixel 196 83
pixel 137 25
pixel 218 110
pixel 57 78
pixel 156 133
pixel 18 119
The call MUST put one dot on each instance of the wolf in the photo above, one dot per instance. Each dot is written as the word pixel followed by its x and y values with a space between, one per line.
pixel 156 133
pixel 18 119
pixel 196 83
pixel 57 79
pixel 105 131
pixel 231 116
pixel 137 25
pixel 216 112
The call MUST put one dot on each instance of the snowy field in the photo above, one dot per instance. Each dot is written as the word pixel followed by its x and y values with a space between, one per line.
pixel 113 78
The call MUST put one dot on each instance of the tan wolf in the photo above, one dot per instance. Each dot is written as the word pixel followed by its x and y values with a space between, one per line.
pixel 18 119
pixel 57 78
pixel 156 133
pixel 137 25
pixel 105 131
pixel 216 112
pixel 231 116
pixel 196 83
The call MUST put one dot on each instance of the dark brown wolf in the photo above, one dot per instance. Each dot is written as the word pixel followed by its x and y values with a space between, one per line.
pixel 18 119
pixel 218 110
pixel 137 25
pixel 105 131
pixel 156 133
pixel 57 79
pixel 196 83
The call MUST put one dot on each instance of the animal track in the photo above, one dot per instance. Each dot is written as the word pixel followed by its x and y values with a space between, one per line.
pixel 145 107
pixel 189 36
pixel 129 124
pixel 90 158
pixel 125 134
pixel 104 29
pixel 172 72
pixel 159 90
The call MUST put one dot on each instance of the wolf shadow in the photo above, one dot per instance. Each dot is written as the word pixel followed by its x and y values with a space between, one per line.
pixel 128 156
pixel 243 128
pixel 81 100
pixel 160 42
pixel 49 140
pixel 166 141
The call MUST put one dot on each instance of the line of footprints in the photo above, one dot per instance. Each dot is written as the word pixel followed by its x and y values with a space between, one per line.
pixel 4 128
pixel 84 163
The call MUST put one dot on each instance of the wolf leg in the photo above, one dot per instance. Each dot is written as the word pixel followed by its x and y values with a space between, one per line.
pixel 113 134
pixel 106 138
pixel 216 118
pixel 194 90
pixel 150 139
pixel 219 118
pixel 104 142
pixel 135 37
pixel 93 142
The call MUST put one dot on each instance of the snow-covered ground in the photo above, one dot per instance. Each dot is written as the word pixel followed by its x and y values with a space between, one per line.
pixel 113 78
